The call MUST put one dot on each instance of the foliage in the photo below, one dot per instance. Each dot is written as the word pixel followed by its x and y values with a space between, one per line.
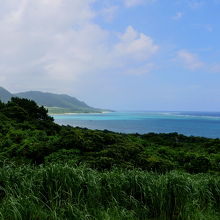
pixel 49 171
pixel 66 192
pixel 27 132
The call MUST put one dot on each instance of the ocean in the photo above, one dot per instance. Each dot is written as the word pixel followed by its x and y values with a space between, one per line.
pixel 204 124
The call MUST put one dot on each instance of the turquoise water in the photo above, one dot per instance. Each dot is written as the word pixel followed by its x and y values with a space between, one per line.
pixel 206 124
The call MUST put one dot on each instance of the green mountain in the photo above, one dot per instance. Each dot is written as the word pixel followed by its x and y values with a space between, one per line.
pixel 5 95
pixel 55 103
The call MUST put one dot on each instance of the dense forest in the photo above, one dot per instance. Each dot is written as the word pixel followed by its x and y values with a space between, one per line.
pixel 48 171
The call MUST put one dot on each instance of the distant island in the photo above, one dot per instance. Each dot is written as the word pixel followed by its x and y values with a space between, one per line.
pixel 54 103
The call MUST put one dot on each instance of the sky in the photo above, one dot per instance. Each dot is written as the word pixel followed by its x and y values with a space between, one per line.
pixel 114 54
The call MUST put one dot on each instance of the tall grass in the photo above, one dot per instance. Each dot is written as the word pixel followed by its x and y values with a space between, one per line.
pixel 64 192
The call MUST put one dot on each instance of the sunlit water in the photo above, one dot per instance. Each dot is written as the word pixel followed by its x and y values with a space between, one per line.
pixel 206 124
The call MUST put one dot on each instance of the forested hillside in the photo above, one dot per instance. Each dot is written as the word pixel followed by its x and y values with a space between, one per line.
pixel 61 101
pixel 60 172
pixel 55 103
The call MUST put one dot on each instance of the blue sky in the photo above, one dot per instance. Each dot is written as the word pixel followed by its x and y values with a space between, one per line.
pixel 117 54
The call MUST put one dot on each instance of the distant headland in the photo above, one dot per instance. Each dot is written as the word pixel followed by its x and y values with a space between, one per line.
pixel 55 103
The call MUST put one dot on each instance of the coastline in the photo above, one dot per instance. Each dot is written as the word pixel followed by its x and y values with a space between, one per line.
pixel 79 113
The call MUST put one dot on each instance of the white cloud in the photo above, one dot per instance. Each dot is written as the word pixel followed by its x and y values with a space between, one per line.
pixel 178 16
pixel 137 45
pixel 50 44
pixel 109 12
pixel 215 68
pixel 190 60
pixel 132 3
pixel 195 4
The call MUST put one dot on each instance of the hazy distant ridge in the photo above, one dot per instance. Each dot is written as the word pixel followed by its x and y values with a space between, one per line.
pixel 56 103
pixel 5 95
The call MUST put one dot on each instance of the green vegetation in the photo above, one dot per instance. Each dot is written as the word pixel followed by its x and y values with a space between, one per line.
pixel 66 192
pixel 55 103
pixel 70 104
pixel 49 171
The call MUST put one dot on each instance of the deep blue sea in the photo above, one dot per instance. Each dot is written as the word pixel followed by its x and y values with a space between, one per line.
pixel 205 124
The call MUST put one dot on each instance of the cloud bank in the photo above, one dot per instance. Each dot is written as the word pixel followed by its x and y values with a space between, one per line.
pixel 48 44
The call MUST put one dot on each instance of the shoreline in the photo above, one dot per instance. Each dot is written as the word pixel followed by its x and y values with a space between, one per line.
pixel 78 113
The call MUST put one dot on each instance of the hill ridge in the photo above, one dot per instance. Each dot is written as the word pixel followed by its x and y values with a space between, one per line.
pixel 55 103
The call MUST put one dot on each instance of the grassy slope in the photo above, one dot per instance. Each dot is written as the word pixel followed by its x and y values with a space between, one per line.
pixel 66 192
